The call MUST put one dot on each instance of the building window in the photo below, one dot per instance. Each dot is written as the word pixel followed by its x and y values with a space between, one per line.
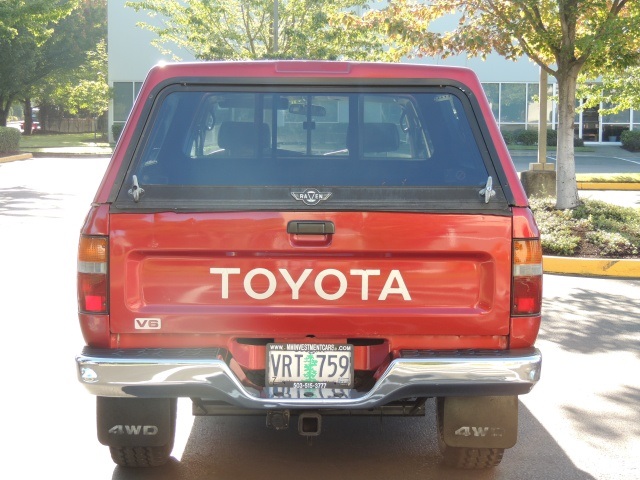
pixel 533 106
pixel 516 106
pixel 124 93
pixel 492 91
pixel 122 100
pixel 620 117
pixel 614 124
pixel 513 103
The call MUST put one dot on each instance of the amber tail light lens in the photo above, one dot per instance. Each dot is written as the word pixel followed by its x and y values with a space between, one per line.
pixel 527 277
pixel 92 274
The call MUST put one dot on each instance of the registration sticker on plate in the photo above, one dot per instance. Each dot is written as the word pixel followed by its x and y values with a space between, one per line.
pixel 309 365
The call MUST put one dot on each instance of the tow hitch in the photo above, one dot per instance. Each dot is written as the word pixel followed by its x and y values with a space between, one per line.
pixel 309 423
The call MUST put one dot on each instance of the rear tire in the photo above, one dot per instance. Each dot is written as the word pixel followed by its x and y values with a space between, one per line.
pixel 464 457
pixel 140 456
pixel 143 457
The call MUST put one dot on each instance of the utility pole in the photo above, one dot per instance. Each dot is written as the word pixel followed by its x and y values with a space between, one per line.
pixel 540 179
pixel 542 130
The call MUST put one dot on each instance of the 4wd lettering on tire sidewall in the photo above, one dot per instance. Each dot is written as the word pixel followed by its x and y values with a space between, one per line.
pixel 134 430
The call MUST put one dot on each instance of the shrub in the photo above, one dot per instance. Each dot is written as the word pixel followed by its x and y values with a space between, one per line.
pixel 611 244
pixel 560 243
pixel 601 211
pixel 630 140
pixel 116 130
pixel 526 137
pixel 9 140
pixel 595 228
pixel 530 137
pixel 520 137
pixel 509 137
pixel 552 138
pixel 556 232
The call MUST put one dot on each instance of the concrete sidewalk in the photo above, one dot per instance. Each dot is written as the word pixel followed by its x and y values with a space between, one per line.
pixel 613 195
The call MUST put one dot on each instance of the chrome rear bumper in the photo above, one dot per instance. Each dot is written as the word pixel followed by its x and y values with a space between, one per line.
pixel 167 373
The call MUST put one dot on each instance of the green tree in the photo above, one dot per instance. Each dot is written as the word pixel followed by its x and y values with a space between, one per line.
pixel 65 57
pixel 28 15
pixel 618 90
pixel 25 27
pixel 80 91
pixel 82 88
pixel 244 29
pixel 564 37
pixel 91 94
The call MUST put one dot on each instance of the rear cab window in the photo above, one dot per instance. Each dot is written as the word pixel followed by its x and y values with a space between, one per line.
pixel 224 148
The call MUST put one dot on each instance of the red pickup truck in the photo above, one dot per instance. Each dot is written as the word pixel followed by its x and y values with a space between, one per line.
pixel 306 238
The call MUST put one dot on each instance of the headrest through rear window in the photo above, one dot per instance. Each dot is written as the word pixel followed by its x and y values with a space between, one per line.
pixel 376 137
pixel 245 135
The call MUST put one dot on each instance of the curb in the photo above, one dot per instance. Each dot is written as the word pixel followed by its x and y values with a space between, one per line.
pixel 12 158
pixel 608 186
pixel 71 155
pixel 597 267
pixel 26 156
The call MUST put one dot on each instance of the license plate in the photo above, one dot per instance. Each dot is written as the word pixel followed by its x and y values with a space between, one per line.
pixel 308 365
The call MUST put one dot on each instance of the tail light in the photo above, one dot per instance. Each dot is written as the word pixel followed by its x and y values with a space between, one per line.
pixel 92 274
pixel 527 277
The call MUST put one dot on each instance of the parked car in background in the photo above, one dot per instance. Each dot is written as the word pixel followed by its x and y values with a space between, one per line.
pixel 35 127
pixel 35 124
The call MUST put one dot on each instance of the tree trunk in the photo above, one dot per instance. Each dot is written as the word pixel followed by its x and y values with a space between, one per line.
pixel 5 105
pixel 566 186
pixel 28 117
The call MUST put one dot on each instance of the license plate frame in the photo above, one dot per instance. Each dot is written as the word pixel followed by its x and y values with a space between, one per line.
pixel 309 365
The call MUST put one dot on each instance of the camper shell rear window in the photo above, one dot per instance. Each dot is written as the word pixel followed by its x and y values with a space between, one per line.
pixel 253 148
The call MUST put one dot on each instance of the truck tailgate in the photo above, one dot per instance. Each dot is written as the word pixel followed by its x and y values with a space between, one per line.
pixel 243 274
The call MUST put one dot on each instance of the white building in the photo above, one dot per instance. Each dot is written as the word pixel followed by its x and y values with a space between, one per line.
pixel 510 86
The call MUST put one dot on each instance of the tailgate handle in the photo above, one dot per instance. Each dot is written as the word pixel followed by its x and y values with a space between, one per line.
pixel 311 227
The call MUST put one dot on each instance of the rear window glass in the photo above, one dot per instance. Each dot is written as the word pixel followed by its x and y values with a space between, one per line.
pixel 214 148
pixel 211 138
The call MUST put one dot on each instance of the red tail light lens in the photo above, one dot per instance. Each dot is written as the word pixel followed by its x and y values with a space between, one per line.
pixel 92 274
pixel 527 277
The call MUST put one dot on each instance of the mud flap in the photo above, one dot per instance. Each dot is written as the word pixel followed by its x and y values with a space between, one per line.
pixel 135 422
pixel 480 422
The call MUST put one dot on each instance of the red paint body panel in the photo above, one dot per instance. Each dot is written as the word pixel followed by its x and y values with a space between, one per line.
pixel 524 331
pixel 524 225
pixel 455 269
pixel 97 221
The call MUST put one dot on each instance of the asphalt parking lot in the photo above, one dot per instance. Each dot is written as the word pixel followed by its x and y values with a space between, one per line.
pixel 603 159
